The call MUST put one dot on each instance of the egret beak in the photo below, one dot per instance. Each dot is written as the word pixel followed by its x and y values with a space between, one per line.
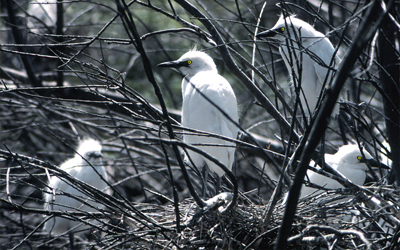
pixel 95 155
pixel 375 164
pixel 267 33
pixel 173 64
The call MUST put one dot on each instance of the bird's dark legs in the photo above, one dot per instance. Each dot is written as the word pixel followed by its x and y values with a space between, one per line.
pixel 204 181
pixel 323 150
pixel 71 240
pixel 204 185
pixel 218 184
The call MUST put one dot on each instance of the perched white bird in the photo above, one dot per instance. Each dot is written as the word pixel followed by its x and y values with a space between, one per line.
pixel 348 161
pixel 303 48
pixel 201 75
pixel 89 150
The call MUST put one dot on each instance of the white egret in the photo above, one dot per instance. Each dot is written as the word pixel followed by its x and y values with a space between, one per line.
pixel 86 166
pixel 306 53
pixel 201 76
pixel 349 162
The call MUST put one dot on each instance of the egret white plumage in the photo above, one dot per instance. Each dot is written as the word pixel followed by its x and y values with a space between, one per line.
pixel 308 51
pixel 348 161
pixel 86 166
pixel 201 76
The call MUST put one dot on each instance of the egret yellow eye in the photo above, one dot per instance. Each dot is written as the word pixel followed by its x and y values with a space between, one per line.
pixel 359 158
pixel 282 29
pixel 189 62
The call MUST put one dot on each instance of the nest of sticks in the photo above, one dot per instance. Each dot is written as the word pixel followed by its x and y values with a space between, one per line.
pixel 338 219
pixel 149 206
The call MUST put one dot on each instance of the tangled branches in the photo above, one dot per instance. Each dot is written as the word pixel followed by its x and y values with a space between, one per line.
pixel 88 70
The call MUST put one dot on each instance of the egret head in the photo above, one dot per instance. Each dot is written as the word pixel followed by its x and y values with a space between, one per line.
pixel 90 149
pixel 290 27
pixel 191 63
pixel 351 157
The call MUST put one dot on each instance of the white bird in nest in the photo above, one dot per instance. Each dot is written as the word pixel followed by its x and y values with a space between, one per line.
pixel 308 51
pixel 349 161
pixel 201 76
pixel 87 166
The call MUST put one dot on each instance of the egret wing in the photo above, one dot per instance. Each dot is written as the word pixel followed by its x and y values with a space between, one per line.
pixel 200 112
pixel 323 53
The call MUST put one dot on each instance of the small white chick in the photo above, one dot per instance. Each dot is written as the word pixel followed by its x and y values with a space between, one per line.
pixel 348 161
pixel 89 150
